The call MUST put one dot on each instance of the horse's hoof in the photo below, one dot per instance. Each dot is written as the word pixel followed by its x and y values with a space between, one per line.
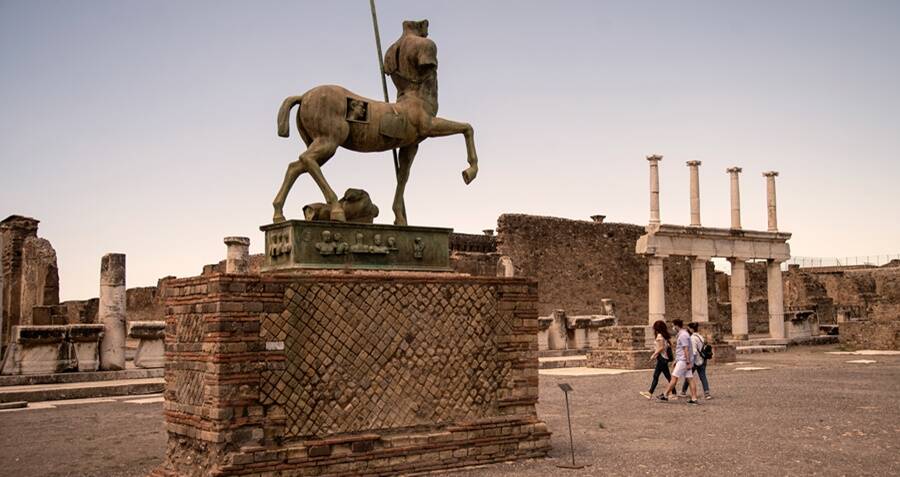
pixel 469 174
pixel 278 218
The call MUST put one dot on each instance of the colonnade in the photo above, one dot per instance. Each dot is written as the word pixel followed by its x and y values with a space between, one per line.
pixel 701 244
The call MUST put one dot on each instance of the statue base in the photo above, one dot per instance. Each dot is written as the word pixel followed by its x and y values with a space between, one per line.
pixel 300 244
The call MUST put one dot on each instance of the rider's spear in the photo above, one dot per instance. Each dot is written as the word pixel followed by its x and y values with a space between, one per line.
pixel 383 80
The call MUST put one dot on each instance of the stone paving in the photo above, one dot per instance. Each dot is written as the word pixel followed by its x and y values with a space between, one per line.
pixel 807 413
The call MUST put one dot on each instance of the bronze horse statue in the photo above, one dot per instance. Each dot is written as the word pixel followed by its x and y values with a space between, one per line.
pixel 330 116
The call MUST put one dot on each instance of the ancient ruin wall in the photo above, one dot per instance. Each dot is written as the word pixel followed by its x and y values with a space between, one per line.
pixel 578 263
pixel 342 374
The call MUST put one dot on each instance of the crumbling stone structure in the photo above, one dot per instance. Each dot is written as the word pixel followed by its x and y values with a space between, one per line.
pixel 331 373
pixel 30 274
pixel 860 303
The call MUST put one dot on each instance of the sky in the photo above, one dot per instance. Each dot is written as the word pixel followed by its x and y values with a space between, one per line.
pixel 148 127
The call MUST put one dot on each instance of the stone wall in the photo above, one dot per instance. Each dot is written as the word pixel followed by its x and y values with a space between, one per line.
pixel 870 335
pixel 349 373
pixel 578 263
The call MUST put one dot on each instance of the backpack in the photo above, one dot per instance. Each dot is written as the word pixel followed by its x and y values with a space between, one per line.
pixel 706 351
pixel 669 355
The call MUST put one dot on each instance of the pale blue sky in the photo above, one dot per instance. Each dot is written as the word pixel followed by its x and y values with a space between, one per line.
pixel 148 127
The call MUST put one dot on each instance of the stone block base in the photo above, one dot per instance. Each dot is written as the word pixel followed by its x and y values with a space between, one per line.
pixel 52 349
pixel 150 351
pixel 620 359
pixel 359 373
pixel 723 353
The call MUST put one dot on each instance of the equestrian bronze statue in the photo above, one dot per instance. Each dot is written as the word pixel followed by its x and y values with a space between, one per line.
pixel 330 116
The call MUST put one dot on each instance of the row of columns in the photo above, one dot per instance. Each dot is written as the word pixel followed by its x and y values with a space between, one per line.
pixel 738 285
pixel 734 173
pixel 737 289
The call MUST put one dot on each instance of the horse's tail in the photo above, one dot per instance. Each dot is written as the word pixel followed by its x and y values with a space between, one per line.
pixel 284 127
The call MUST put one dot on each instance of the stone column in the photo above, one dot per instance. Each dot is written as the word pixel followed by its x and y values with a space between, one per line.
pixel 654 188
pixel 237 259
pixel 695 192
pixel 699 298
pixel 735 197
pixel 776 300
pixel 739 328
pixel 770 199
pixel 111 312
pixel 657 290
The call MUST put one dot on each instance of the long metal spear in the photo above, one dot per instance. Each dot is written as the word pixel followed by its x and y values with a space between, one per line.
pixel 383 80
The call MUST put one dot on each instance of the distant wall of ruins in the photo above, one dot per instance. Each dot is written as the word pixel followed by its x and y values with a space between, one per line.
pixel 577 263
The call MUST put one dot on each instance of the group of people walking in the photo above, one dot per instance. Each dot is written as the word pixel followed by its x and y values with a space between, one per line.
pixel 690 355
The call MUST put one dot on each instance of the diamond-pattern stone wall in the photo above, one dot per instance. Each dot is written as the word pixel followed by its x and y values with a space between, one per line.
pixel 364 373
pixel 372 356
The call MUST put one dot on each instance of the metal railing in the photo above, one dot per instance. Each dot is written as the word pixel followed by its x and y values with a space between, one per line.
pixel 860 260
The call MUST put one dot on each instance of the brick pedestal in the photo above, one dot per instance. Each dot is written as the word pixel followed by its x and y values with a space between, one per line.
pixel 621 347
pixel 365 373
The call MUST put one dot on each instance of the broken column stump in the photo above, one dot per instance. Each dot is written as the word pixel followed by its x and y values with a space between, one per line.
pixel 112 311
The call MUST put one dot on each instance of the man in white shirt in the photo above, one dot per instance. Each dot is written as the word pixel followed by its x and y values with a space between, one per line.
pixel 683 355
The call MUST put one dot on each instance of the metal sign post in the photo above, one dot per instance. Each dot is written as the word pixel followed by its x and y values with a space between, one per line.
pixel 566 389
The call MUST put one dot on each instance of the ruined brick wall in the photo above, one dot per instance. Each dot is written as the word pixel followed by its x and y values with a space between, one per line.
pixel 338 374
pixel 144 304
pixel 860 292
pixel 870 335
pixel 578 263
pixel 475 263
pixel 473 243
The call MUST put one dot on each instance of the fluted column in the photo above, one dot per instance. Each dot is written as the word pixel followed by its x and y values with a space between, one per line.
pixel 699 298
pixel 776 299
pixel 739 328
pixel 695 192
pixel 654 188
pixel 735 197
pixel 770 200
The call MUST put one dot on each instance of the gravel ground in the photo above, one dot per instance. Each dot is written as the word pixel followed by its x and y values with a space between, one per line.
pixel 810 414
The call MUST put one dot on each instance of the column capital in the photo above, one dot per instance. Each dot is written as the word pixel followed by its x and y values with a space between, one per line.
pixel 734 170
pixel 693 163
pixel 770 174
pixel 237 241
pixel 703 259
pixel 654 158
pixel 738 259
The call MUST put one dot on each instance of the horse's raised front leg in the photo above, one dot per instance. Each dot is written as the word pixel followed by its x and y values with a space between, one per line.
pixel 406 156
pixel 444 127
